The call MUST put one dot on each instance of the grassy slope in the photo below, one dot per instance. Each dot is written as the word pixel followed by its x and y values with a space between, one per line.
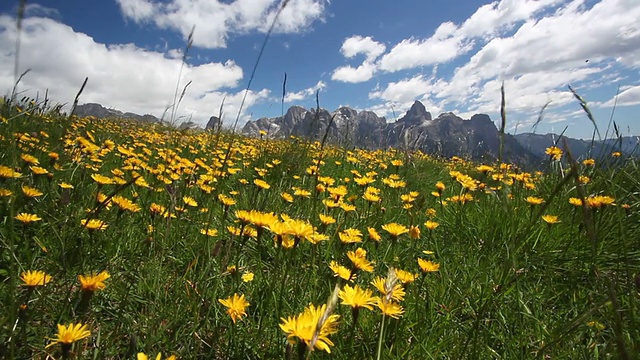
pixel 509 286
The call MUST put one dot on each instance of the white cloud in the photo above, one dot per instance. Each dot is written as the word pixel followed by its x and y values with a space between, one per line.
pixel 122 76
pixel 403 91
pixel 536 47
pixel 350 74
pixel 412 53
pixel 305 93
pixel 362 45
pixel 450 41
pixel 627 97
pixel 215 20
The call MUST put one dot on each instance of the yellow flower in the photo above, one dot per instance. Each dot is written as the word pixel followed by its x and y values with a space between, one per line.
pixel 389 308
pixel 395 229
pixel 405 277
pixel 348 236
pixel 389 289
pixel 209 232
pixel 427 265
pixel 261 184
pixel 588 162
pixel 341 271
pixel 37 170
pixel 357 297
pixel 101 179
pixel 598 201
pixel 575 201
pixel 30 159
pixel 326 219
pixel 550 219
pixel 225 200
pixel 373 234
pixel 359 260
pixel 247 276
pixel 534 200
pixel 431 224
pixel 5 192
pixel 189 201
pixel 93 282
pixel 143 356
pixel 35 278
pixel 27 218
pixel 94 224
pixel 70 333
pixel 8 173
pixel 484 168
pixel 65 185
pixel 287 197
pixel 312 324
pixel 554 152
pixel 31 192
pixel 236 306
pixel 414 232
pixel 616 154
pixel 347 207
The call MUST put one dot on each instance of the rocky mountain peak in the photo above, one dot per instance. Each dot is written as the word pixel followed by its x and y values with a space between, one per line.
pixel 416 114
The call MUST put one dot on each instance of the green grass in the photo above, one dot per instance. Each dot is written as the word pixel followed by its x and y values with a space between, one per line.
pixel 509 286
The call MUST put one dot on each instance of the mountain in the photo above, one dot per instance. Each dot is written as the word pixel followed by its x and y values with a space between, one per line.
pixel 446 135
pixel 99 111
pixel 537 143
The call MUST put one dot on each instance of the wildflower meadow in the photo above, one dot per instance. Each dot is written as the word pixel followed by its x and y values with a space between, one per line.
pixel 133 240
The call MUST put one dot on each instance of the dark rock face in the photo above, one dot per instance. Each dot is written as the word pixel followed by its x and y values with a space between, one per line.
pixel 213 123
pixel 99 111
pixel 446 135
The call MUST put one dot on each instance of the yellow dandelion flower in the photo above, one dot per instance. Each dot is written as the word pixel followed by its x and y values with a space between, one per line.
pixel 26 218
pixel 550 219
pixel 373 234
pixel 248 276
pixel 341 271
pixel 236 306
pixel 143 356
pixel 389 289
pixel 356 297
pixel 31 192
pixel 389 308
pixel 68 334
pixel 189 201
pixel 94 224
pixel 359 260
pixel 262 184
pixel 33 278
pixel 427 265
pixel 395 229
pixel 350 235
pixel 534 200
pixel 92 282
pixel 314 323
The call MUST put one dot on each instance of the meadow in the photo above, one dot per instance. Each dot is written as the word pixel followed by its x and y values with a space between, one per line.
pixel 124 240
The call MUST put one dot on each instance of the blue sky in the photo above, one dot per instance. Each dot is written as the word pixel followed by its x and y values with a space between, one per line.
pixel 369 55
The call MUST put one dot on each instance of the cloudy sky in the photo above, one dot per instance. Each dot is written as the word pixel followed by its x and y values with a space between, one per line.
pixel 369 55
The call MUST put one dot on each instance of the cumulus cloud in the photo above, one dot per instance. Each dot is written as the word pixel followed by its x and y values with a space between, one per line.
pixel 353 46
pixel 215 20
pixel 122 76
pixel 304 93
pixel 350 74
pixel 536 47
pixel 362 45
pixel 629 96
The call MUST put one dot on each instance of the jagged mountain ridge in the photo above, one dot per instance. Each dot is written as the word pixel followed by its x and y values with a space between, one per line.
pixel 446 135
